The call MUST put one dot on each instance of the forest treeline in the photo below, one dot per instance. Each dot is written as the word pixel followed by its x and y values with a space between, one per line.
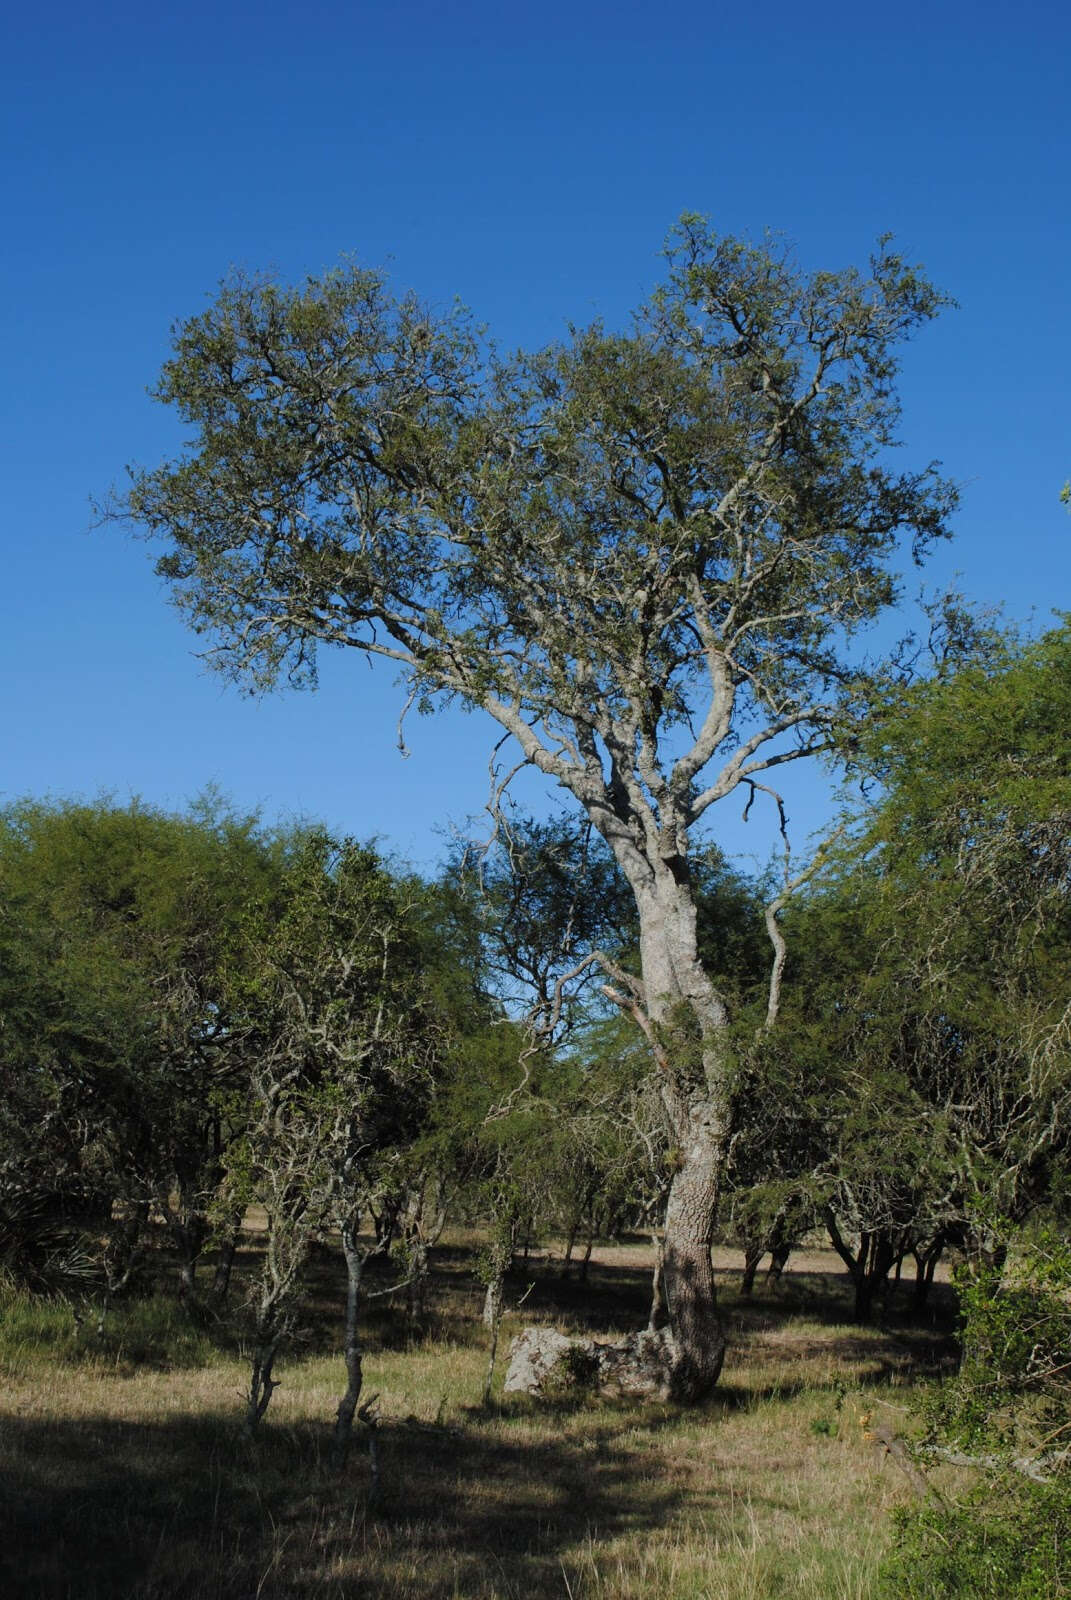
pixel 200 1014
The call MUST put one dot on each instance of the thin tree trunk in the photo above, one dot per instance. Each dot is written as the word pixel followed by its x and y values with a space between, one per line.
pixel 753 1254
pixel 588 1247
pixel 417 1288
pixel 868 1267
pixel 570 1246
pixel 262 1384
pixel 925 1267
pixel 778 1258
pixel 501 1255
pixel 657 1317
pixel 188 1229
pixel 352 1352
pixel 221 1278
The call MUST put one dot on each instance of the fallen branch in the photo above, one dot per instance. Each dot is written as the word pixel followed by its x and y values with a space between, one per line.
pixel 1032 1467
pixel 887 1441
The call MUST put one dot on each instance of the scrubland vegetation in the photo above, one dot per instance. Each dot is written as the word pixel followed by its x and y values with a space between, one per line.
pixel 254 1081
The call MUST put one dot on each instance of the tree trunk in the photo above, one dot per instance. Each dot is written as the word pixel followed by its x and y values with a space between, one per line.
pixel 427 1195
pixel 500 1258
pixel 352 1352
pixel 657 1317
pixel 694 1319
pixel 416 1293
pixel 221 1278
pixel 385 1223
pixel 585 1262
pixel 868 1267
pixel 570 1246
pixel 778 1257
pixel 691 1045
pixel 753 1254
pixel 188 1229
pixel 261 1383
pixel 925 1266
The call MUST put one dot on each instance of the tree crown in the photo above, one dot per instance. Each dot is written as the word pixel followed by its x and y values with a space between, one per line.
pixel 638 551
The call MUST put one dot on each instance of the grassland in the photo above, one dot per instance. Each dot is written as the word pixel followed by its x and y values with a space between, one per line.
pixel 123 1472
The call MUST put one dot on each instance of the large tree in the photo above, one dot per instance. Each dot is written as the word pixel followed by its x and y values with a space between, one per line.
pixel 643 554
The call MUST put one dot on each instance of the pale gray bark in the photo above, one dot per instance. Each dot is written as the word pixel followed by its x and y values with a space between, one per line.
pixel 690 1023
pixel 500 1252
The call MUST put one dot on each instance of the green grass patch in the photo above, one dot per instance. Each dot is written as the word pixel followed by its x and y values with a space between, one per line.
pixel 154 1331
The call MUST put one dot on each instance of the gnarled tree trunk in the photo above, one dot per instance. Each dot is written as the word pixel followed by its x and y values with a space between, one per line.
pixel 689 1026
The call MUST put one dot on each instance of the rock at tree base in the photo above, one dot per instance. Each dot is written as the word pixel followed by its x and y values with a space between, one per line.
pixel 543 1361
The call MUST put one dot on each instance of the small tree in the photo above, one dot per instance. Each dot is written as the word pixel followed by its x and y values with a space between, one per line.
pixel 343 1054
pixel 961 876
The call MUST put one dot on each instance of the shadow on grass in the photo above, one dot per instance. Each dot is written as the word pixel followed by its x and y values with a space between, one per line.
pixel 180 1508
pixel 100 1509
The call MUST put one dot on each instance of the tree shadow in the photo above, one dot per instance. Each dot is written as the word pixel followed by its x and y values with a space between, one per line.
pixel 181 1509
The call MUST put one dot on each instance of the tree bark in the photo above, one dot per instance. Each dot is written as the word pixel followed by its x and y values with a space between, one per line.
pixel 657 1316
pixel 868 1267
pixel 753 1254
pixel 691 1027
pixel 926 1259
pixel 416 1293
pixel 694 1318
pixel 500 1257
pixel 352 1352
pixel 262 1384
pixel 570 1245
pixel 188 1229
pixel 585 1261
pixel 778 1257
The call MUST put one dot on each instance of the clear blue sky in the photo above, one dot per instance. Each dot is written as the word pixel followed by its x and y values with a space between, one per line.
pixel 530 160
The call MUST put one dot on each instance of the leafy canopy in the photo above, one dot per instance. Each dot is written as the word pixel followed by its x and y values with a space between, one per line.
pixel 633 549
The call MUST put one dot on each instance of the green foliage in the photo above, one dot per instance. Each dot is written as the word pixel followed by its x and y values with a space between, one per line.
pixel 1013 1388
pixel 542 897
pixel 116 925
pixel 1007 1541
pixel 198 1015
pixel 431 501
pixel 925 1011
pixel 1010 1405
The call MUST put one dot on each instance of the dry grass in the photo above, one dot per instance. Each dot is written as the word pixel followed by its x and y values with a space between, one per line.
pixel 128 1477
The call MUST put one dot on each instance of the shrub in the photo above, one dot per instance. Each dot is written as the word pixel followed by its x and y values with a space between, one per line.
pixel 1008 1407
pixel 1009 1540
